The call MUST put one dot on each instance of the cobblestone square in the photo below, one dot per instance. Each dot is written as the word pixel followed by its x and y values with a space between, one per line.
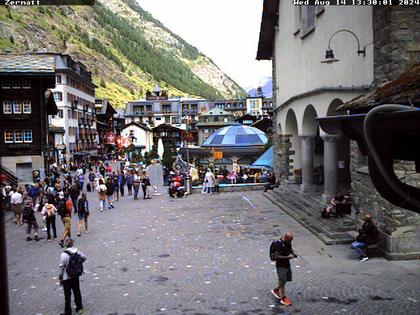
pixel 206 254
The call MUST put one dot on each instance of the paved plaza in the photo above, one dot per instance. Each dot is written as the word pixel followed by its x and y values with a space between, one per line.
pixel 205 254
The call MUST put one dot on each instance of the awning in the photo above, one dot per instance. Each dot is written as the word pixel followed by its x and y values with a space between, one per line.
pixel 265 160
pixel 98 122
pixel 55 129
pixel 81 153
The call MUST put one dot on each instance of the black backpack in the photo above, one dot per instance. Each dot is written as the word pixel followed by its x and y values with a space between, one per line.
pixel 61 208
pixel 26 213
pixel 109 188
pixel 75 266
pixel 275 245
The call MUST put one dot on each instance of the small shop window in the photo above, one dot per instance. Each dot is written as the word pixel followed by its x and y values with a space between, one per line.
pixel 58 96
pixel 18 136
pixel 27 107
pixel 7 107
pixel 16 84
pixel 27 136
pixel 59 114
pixel 17 107
pixel 6 84
pixel 8 136
pixel 26 84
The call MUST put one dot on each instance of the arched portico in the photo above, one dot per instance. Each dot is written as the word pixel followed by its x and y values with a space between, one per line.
pixel 336 158
pixel 291 130
pixel 309 124
pixel 309 133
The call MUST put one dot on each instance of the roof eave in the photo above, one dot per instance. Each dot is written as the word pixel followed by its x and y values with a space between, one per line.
pixel 268 29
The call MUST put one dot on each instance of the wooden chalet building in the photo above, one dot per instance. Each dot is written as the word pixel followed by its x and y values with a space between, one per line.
pixel 26 104
pixel 169 134
pixel 105 125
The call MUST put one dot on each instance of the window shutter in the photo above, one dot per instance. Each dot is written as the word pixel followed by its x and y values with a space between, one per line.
pixel 303 20
pixel 307 19
pixel 319 9
pixel 311 17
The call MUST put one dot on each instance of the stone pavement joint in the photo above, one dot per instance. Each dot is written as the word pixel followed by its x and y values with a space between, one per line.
pixel 205 254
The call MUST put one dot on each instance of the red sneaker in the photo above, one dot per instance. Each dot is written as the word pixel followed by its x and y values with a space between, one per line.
pixel 276 293
pixel 286 301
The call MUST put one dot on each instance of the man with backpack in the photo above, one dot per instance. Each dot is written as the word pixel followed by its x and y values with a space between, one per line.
pixel 64 209
pixel 281 252
pixel 71 268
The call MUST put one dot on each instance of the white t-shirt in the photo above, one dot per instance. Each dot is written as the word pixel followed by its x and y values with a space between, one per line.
pixel 16 198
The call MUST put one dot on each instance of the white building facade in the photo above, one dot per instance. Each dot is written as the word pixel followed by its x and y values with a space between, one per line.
pixel 138 135
pixel 74 94
pixel 305 89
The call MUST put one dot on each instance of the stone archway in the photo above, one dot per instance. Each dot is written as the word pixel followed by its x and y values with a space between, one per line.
pixel 333 107
pixel 310 133
pixel 309 124
pixel 291 130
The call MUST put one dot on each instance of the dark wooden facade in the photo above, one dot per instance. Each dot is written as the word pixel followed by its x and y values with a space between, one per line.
pixel 169 134
pixel 25 88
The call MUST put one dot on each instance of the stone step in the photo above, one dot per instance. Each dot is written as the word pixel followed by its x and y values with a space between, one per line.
pixel 328 230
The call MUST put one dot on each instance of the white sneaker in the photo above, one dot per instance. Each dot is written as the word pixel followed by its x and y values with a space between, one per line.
pixel 364 259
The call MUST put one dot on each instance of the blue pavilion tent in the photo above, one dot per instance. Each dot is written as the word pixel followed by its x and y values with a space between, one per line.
pixel 265 160
pixel 236 136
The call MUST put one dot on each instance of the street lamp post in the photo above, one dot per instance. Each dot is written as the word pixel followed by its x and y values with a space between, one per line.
pixel 132 146
pixel 188 178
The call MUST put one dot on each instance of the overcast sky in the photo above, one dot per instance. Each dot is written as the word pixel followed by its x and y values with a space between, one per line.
pixel 225 30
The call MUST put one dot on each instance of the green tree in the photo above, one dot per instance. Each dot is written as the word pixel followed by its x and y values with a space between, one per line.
pixel 167 158
pixel 146 158
pixel 154 152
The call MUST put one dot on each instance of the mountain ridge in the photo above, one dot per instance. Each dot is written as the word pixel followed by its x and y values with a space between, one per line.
pixel 125 48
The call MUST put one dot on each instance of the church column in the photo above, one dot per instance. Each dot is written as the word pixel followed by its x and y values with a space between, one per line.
pixel 330 167
pixel 307 157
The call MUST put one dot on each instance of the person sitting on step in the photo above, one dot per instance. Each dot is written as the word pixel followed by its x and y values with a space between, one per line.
pixel 368 235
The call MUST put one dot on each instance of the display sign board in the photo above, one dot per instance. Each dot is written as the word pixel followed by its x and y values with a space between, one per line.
pixel 109 138
pixel 217 155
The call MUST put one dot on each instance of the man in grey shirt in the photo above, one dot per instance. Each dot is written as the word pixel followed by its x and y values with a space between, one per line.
pixel 68 281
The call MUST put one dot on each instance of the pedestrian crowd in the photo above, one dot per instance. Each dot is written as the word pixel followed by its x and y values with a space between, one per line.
pixel 61 195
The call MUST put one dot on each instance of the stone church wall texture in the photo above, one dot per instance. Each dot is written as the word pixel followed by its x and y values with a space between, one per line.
pixel 396 48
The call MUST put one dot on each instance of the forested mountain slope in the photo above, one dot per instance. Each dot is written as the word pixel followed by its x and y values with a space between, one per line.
pixel 124 47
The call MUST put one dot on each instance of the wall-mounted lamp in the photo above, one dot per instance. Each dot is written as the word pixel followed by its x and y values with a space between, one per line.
pixel 329 54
